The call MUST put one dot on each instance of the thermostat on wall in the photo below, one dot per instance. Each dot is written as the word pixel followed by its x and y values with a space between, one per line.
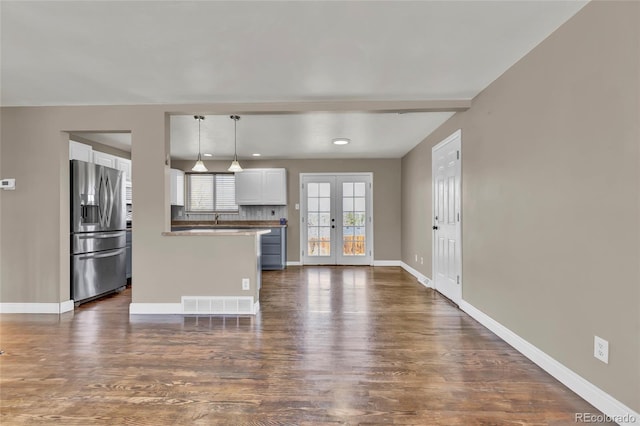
pixel 8 184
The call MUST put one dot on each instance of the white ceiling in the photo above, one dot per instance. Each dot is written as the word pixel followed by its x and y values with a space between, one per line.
pixel 180 52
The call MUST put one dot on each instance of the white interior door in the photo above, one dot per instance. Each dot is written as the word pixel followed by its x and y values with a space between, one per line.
pixel 336 219
pixel 447 247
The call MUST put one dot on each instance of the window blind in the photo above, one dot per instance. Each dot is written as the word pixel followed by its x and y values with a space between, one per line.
pixel 208 192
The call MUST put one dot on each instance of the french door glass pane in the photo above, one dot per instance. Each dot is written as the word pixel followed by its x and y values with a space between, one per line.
pixel 353 219
pixel 319 219
pixel 325 189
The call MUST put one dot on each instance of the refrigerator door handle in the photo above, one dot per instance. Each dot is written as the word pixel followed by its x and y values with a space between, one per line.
pixel 95 237
pixel 100 255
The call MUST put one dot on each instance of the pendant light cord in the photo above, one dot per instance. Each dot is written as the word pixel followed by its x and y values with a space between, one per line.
pixel 199 121
pixel 235 138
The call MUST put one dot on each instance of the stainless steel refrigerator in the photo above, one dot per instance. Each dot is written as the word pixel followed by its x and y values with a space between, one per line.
pixel 98 230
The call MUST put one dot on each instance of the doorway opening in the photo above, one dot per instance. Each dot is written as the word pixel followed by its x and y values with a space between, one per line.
pixel 336 219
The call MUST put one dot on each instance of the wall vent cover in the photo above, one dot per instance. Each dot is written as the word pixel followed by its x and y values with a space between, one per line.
pixel 218 305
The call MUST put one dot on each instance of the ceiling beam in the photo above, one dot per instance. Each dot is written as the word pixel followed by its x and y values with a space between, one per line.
pixel 386 107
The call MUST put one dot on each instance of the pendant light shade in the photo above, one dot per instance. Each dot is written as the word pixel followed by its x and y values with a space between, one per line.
pixel 235 166
pixel 199 166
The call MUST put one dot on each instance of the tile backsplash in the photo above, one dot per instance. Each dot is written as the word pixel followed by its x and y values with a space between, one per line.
pixel 244 213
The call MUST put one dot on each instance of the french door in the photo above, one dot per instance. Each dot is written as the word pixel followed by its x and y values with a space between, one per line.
pixel 447 247
pixel 336 219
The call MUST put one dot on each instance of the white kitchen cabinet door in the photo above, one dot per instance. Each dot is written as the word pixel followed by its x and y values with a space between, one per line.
pixel 103 159
pixel 80 151
pixel 274 187
pixel 249 187
pixel 261 187
pixel 124 165
pixel 177 187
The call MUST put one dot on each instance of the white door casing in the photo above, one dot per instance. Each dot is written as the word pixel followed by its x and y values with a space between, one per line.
pixel 336 220
pixel 446 158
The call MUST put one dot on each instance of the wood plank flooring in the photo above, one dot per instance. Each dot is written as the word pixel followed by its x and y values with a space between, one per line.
pixel 331 345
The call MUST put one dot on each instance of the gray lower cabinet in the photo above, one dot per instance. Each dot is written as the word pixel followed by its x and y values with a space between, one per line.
pixel 274 249
pixel 128 254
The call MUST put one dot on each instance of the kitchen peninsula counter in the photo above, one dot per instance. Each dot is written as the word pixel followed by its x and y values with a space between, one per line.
pixel 214 272
pixel 215 232
pixel 234 224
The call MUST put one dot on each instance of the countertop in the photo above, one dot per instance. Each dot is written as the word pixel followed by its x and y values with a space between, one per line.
pixel 215 232
pixel 234 224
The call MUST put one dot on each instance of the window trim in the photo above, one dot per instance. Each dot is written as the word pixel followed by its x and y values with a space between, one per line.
pixel 187 193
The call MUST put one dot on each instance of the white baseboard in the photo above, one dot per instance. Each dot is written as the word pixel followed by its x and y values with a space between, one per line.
pixel 66 306
pixel 422 279
pixel 387 263
pixel 604 402
pixel 36 308
pixel 294 263
pixel 155 308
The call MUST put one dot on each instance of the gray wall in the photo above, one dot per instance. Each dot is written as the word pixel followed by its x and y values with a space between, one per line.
pixel 386 197
pixel 551 188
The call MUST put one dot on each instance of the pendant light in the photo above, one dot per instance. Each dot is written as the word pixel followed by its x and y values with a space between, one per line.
pixel 199 167
pixel 235 166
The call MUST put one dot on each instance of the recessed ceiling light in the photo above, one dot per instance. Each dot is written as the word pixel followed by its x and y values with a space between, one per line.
pixel 206 154
pixel 341 141
pixel 256 154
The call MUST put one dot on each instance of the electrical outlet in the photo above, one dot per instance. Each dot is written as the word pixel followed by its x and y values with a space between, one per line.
pixel 245 284
pixel 601 349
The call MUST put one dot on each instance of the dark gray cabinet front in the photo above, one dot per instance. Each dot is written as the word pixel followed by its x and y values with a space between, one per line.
pixel 128 254
pixel 274 249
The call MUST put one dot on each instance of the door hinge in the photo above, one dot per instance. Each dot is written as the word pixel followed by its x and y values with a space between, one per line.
pixel 303 252
pixel 458 281
pixel 458 154
pixel 302 219
pixel 458 216
pixel 303 186
pixel 370 185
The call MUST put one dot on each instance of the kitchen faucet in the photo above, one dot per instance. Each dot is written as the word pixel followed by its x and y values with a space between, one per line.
pixel 216 218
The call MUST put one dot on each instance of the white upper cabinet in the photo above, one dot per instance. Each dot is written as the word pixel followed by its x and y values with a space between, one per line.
pixel 274 187
pixel 124 165
pixel 249 187
pixel 267 187
pixel 104 159
pixel 177 187
pixel 80 151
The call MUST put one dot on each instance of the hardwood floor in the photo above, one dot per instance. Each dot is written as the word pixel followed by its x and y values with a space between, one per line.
pixel 331 345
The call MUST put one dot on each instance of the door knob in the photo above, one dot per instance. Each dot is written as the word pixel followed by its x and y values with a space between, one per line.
pixel 435 227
